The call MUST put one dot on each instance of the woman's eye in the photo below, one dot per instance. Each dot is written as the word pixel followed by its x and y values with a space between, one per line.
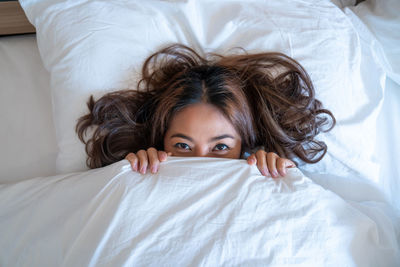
pixel 221 147
pixel 182 146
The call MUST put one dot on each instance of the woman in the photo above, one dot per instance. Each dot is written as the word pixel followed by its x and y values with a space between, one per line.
pixel 214 106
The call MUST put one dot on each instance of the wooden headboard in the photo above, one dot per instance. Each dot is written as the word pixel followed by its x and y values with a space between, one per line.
pixel 13 19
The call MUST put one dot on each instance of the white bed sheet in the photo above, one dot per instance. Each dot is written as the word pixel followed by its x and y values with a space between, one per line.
pixel 388 143
pixel 28 144
pixel 382 20
pixel 194 212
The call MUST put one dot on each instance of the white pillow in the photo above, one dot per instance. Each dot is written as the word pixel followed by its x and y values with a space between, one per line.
pixel 91 47
pixel 382 19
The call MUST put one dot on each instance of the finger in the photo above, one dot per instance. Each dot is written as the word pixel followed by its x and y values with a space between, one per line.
pixel 133 160
pixel 271 161
pixel 143 161
pixel 262 163
pixel 153 159
pixel 281 166
pixel 162 155
pixel 252 159
pixel 290 164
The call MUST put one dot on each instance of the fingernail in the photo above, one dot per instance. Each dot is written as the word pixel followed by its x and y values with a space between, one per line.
pixel 275 174
pixel 153 169
pixel 143 170
pixel 135 167
pixel 266 173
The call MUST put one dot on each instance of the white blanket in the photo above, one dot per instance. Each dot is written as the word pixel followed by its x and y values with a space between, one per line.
pixel 194 212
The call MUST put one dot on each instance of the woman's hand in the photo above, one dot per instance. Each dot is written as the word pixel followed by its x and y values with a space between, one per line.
pixel 270 164
pixel 147 159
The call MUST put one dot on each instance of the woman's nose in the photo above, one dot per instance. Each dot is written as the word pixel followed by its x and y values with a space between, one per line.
pixel 201 152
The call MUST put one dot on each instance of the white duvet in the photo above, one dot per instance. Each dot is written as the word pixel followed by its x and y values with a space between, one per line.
pixel 194 212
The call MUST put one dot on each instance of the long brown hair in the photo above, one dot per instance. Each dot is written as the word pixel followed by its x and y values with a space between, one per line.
pixel 268 97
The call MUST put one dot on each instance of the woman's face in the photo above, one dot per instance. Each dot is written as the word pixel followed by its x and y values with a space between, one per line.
pixel 201 130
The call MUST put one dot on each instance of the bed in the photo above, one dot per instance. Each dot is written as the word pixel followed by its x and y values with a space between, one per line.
pixel 342 211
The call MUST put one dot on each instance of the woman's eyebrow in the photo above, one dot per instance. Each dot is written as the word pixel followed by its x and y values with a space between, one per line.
pixel 221 137
pixel 182 136
pixel 216 138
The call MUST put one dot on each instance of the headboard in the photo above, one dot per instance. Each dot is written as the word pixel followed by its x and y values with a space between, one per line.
pixel 13 19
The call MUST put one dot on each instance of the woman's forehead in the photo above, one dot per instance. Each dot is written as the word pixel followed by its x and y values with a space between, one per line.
pixel 201 119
